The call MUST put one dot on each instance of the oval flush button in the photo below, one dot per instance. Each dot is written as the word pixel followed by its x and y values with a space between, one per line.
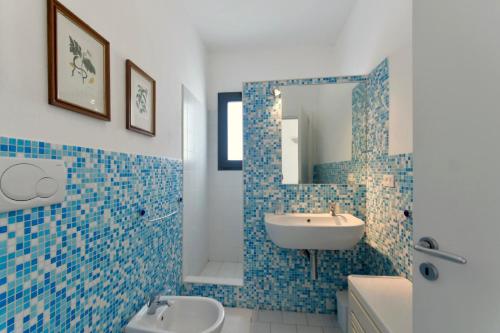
pixel 18 182
pixel 46 187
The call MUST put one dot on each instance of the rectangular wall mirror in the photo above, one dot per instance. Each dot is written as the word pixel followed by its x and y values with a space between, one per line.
pixel 323 133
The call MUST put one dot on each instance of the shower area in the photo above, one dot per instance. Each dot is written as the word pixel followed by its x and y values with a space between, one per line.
pixel 212 213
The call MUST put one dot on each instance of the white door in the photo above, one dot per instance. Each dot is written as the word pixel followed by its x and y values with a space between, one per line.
pixel 457 163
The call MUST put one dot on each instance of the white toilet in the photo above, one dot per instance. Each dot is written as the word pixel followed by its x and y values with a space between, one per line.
pixel 184 314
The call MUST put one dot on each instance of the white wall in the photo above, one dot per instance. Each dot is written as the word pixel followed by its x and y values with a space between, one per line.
pixel 401 101
pixel 226 72
pixel 333 123
pixel 305 148
pixel 231 68
pixel 298 99
pixel 195 222
pixel 301 102
pixel 376 30
pixel 329 109
pixel 290 150
pixel 154 34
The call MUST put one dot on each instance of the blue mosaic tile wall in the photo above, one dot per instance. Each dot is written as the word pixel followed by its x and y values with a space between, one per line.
pixel 288 286
pixel 279 279
pixel 89 263
pixel 378 111
pixel 389 234
pixel 388 231
pixel 359 122
pixel 334 172
pixel 276 278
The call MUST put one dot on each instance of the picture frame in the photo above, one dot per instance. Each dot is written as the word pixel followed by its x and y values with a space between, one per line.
pixel 78 64
pixel 141 100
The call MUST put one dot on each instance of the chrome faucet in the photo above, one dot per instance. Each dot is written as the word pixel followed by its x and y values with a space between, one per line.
pixel 155 302
pixel 333 209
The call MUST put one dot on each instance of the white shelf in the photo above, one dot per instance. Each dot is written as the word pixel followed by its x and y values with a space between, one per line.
pixel 217 272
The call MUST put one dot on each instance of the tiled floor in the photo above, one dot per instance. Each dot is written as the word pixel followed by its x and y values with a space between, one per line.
pixel 260 321
pixel 229 273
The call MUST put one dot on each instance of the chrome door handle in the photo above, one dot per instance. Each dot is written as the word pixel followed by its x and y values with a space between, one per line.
pixel 429 246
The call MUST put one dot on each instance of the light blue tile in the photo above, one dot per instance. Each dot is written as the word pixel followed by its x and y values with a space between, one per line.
pixel 279 279
pixel 94 248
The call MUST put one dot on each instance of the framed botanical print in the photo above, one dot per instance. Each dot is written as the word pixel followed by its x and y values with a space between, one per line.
pixel 141 100
pixel 78 64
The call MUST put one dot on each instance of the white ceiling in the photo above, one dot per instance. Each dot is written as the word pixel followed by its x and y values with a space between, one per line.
pixel 233 24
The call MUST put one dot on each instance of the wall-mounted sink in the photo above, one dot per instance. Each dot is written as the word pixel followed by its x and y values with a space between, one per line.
pixel 315 231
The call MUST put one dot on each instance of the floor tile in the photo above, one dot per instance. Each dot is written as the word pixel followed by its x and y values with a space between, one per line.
pixel 240 320
pixel 326 320
pixel 294 318
pixel 260 327
pixel 283 328
pixel 237 320
pixel 332 330
pixel 269 316
pixel 309 329
pixel 232 327
pixel 243 314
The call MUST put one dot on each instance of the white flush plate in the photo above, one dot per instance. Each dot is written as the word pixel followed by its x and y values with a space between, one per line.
pixel 28 183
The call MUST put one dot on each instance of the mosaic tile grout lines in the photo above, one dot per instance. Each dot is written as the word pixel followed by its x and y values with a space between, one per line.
pixel 89 263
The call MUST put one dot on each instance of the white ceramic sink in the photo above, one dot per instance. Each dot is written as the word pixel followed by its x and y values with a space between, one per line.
pixel 314 231
pixel 185 314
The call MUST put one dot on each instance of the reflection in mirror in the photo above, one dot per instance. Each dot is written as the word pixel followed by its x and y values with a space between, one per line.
pixel 322 138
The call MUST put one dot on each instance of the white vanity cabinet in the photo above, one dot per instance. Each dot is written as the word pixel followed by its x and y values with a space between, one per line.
pixel 380 304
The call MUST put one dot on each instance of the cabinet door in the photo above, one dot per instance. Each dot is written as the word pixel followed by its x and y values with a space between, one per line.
pixel 355 325
pixel 359 314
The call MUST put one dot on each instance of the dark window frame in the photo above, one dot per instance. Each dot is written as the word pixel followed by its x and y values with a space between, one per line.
pixel 223 99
